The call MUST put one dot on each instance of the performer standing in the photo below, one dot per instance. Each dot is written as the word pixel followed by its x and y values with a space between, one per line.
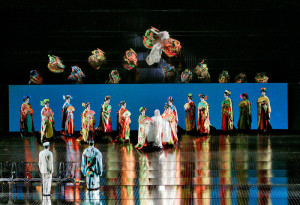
pixel 143 128
pixel 169 126
pixel 105 119
pixel 190 114
pixel 91 166
pixel 155 133
pixel 227 112
pixel 245 118
pixel 26 117
pixel 123 123
pixel 46 168
pixel 264 112
pixel 47 124
pixel 67 124
pixel 173 107
pixel 87 123
pixel 203 123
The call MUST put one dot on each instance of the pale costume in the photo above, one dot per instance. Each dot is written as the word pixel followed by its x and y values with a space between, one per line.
pixel 91 167
pixel 155 132
pixel 155 54
pixel 46 168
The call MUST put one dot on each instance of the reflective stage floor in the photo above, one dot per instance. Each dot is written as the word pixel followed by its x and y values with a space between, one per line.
pixel 217 169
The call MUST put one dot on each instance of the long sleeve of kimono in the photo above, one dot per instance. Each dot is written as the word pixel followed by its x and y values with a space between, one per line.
pixel 231 111
pixel 99 161
pixel 83 164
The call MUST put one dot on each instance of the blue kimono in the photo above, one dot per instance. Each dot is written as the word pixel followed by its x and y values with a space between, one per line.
pixel 91 167
pixel 64 123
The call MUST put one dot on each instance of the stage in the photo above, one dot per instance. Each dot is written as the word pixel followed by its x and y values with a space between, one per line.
pixel 216 169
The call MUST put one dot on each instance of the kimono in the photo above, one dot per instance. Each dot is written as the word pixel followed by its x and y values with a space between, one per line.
pixel 123 124
pixel 47 124
pixel 190 116
pixel 263 113
pixel 155 132
pixel 227 115
pixel 26 118
pixel 87 124
pixel 169 128
pixel 245 118
pixel 91 167
pixel 67 123
pixel 203 123
pixel 143 132
pixel 105 119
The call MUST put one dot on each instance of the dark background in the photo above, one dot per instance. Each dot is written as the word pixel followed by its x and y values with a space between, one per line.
pixel 238 36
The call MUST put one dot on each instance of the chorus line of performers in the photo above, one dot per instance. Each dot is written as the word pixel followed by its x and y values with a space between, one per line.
pixel 159 129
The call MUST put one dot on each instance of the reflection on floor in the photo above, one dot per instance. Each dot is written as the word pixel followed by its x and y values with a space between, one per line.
pixel 219 169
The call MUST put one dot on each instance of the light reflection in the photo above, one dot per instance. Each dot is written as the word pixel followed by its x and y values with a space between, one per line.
pixel 143 178
pixel 225 170
pixel 264 169
pixel 202 178
pixel 242 166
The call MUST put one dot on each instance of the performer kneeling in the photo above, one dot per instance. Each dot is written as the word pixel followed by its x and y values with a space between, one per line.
pixel 91 166
pixel 46 168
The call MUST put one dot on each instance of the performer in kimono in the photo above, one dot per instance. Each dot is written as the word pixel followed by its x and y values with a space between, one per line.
pixel 105 119
pixel 143 132
pixel 263 112
pixel 87 123
pixel 203 123
pixel 169 126
pixel 47 124
pixel 124 120
pixel 91 166
pixel 26 117
pixel 67 123
pixel 190 114
pixel 155 133
pixel 245 118
pixel 173 107
pixel 227 112
pixel 46 168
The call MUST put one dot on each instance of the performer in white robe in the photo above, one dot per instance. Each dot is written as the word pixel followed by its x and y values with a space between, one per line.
pixel 46 168
pixel 155 54
pixel 155 132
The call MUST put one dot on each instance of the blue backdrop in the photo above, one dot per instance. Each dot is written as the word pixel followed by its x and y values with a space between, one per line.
pixel 151 96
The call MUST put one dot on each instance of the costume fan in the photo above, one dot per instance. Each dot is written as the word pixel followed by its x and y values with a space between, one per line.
pixel 159 41
pixel 261 78
pixel 35 78
pixel 224 77
pixel 97 58
pixel 202 73
pixel 186 76
pixel 130 59
pixel 114 77
pixel 76 75
pixel 55 64
pixel 169 72
pixel 241 78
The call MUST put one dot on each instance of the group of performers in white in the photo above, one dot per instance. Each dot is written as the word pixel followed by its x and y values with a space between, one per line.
pixel 158 130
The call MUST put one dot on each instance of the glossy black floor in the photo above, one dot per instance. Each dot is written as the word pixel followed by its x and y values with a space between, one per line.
pixel 216 169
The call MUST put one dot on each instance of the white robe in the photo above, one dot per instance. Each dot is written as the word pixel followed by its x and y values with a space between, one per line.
pixel 155 54
pixel 167 131
pixel 155 131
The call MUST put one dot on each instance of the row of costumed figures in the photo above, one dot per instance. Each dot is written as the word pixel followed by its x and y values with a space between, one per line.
pixel 157 42
pixel 159 129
